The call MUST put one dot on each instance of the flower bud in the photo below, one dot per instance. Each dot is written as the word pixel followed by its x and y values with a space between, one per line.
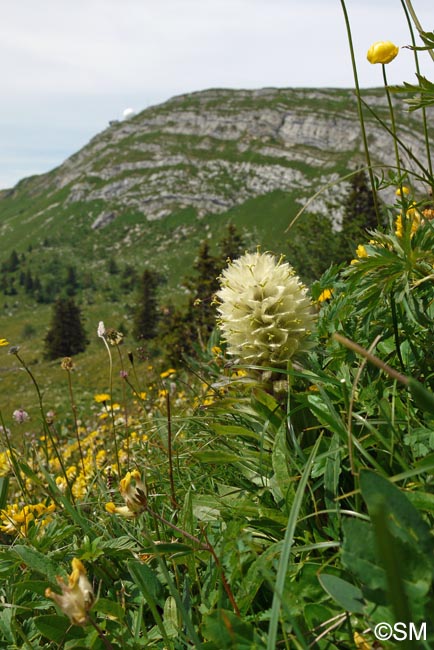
pixel 382 52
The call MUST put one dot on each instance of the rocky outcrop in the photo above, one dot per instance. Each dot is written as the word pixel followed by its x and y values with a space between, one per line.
pixel 215 149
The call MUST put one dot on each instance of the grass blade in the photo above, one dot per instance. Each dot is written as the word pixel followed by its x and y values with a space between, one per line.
pixel 286 550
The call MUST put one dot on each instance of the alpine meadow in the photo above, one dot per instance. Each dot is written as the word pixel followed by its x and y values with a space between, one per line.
pixel 217 375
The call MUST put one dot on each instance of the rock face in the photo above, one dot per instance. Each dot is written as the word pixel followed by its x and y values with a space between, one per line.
pixel 215 149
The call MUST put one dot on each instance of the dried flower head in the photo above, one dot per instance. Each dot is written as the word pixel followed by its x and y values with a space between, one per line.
pixel 67 364
pixel 77 595
pixel 113 336
pixel 265 313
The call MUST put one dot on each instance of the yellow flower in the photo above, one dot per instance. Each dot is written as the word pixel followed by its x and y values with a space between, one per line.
pixel 415 217
pixel 101 397
pixel 382 52
pixel 5 463
pixel 325 295
pixel 77 596
pixel 133 491
pixel 360 642
pixel 3 342
pixel 167 373
pixel 403 191
pixel 16 520
pixel 124 511
pixel 360 252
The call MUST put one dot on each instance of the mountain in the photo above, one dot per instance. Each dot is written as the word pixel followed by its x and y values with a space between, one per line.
pixel 174 173
pixel 146 191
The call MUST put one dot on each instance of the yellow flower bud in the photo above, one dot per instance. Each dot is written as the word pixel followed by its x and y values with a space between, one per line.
pixel 382 52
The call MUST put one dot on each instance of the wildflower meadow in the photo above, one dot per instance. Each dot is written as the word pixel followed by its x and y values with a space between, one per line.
pixel 275 490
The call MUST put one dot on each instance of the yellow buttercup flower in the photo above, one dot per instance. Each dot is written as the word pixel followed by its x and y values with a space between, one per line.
pixel 403 191
pixel 77 595
pixel 382 52
pixel 325 295
pixel 3 342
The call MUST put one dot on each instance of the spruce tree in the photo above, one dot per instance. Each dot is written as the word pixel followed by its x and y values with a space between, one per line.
pixel 359 215
pixel 147 315
pixel 232 244
pixel 66 335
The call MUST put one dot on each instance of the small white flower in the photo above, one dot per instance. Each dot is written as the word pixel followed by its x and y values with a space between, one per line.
pixel 265 313
pixel 101 329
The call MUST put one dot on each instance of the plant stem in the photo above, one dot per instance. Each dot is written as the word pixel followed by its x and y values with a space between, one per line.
pixel 392 119
pixel 412 13
pixel 169 452
pixel 74 414
pixel 111 403
pixel 424 118
pixel 360 113
pixel 355 347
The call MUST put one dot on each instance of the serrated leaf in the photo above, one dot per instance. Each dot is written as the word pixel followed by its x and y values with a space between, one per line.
pixel 344 593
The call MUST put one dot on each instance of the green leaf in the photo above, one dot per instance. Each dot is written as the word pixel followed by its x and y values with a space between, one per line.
pixel 110 608
pixel 37 562
pixel 280 461
pixel 170 617
pixel 217 457
pixel 232 430
pixel 285 555
pixel 146 580
pixel 358 554
pixel 423 397
pixel 55 628
pixel 344 593
pixel 403 519
pixel 228 631
pixel 4 486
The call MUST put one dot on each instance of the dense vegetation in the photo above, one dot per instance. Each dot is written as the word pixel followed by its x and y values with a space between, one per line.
pixel 215 503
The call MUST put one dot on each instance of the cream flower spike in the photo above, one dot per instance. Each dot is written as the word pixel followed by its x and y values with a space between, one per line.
pixel 265 313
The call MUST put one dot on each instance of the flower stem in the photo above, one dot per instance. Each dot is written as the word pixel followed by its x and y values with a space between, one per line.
pixel 74 414
pixel 360 113
pixel 393 123
pixel 424 117
pixel 111 403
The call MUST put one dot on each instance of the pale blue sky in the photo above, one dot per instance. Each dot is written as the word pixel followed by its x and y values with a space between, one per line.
pixel 70 66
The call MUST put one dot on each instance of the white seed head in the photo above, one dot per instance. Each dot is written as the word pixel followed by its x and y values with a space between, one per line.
pixel 265 313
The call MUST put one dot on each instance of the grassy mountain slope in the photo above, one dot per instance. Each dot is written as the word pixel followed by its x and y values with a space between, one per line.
pixel 146 191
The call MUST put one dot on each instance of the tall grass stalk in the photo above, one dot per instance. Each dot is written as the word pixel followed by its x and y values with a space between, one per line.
pixel 360 113
pixel 286 550
pixel 423 109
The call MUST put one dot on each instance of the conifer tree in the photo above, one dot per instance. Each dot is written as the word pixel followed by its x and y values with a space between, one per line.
pixel 147 315
pixel 66 335
pixel 359 215
pixel 232 244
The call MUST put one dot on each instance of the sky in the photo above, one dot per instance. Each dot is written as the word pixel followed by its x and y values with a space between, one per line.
pixel 70 66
